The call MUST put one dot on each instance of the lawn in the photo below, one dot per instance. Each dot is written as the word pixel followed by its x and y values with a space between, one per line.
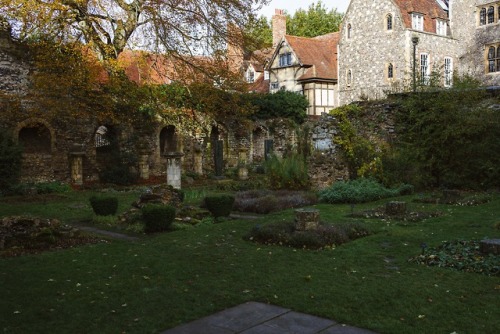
pixel 165 280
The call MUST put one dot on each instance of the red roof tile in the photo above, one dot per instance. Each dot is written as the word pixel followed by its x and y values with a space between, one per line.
pixel 319 54
pixel 430 8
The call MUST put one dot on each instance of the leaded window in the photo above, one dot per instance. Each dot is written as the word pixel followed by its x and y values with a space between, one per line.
pixel 491 14
pixel 482 17
pixel 390 71
pixel 448 72
pixel 389 22
pixel 424 68
pixel 491 59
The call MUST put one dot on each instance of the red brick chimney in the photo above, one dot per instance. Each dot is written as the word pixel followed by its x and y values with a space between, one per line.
pixel 279 26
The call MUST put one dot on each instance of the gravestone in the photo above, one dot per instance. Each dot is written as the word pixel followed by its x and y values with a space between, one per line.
pixel 219 157
pixel 395 208
pixel 268 148
pixel 491 246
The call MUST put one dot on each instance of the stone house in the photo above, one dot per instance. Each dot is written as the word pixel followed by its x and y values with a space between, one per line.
pixel 306 66
pixel 386 44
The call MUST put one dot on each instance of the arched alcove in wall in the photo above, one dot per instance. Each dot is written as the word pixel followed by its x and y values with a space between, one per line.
pixel 36 136
pixel 168 139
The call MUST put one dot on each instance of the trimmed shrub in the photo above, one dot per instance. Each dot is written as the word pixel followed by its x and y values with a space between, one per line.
pixel 220 205
pixel 104 205
pixel 157 217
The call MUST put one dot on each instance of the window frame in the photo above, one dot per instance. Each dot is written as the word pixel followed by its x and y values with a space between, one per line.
pixel 285 59
pixel 482 16
pixel 425 69
pixel 349 78
pixel 417 21
pixel 490 16
pixel 389 22
pixel 390 71
pixel 448 71
pixel 441 27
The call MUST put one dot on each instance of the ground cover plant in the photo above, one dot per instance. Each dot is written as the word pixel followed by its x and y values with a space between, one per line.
pixel 266 201
pixel 162 281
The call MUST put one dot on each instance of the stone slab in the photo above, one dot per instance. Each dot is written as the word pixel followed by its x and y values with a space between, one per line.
pixel 292 322
pixel 236 319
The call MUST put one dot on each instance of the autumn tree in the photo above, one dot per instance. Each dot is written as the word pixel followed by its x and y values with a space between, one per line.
pixel 174 27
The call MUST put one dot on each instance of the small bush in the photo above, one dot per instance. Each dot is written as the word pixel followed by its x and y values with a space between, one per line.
pixel 52 187
pixel 157 217
pixel 104 205
pixel 219 205
pixel 358 191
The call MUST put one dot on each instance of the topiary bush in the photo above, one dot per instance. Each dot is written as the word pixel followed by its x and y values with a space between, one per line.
pixel 157 217
pixel 104 205
pixel 220 205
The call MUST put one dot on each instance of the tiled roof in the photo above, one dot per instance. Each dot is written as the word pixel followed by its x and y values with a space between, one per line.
pixel 430 8
pixel 319 54
pixel 260 85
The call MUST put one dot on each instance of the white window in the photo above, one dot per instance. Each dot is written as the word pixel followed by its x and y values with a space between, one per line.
pixel 425 70
pixel 266 75
pixel 250 76
pixel 324 97
pixel 285 59
pixel 448 72
pixel 441 28
pixel 417 21
pixel 275 85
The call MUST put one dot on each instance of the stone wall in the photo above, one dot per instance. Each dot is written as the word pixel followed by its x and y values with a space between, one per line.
pixel 14 67
pixel 371 47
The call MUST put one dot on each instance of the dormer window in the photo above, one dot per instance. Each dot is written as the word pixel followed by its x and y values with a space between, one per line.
pixel 441 28
pixel 285 59
pixel 417 21
pixel 389 22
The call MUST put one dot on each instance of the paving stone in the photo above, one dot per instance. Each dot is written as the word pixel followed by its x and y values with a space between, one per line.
pixel 292 322
pixel 232 320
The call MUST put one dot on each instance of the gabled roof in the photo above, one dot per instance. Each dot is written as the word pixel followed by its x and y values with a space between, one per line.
pixel 431 9
pixel 318 54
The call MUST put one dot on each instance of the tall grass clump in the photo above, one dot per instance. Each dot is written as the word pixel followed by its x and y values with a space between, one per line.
pixel 359 191
pixel 287 173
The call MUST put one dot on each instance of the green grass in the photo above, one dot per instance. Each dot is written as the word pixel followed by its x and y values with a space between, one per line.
pixel 163 281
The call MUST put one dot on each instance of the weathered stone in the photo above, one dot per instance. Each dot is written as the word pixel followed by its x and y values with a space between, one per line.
pixel 491 246
pixel 395 208
pixel 306 219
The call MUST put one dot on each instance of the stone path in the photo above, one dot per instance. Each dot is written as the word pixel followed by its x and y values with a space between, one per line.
pixel 109 234
pixel 259 318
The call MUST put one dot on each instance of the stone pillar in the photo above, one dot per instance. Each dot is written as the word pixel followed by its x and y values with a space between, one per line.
pixel 143 165
pixel 76 161
pixel 174 169
pixel 198 159
pixel 242 164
